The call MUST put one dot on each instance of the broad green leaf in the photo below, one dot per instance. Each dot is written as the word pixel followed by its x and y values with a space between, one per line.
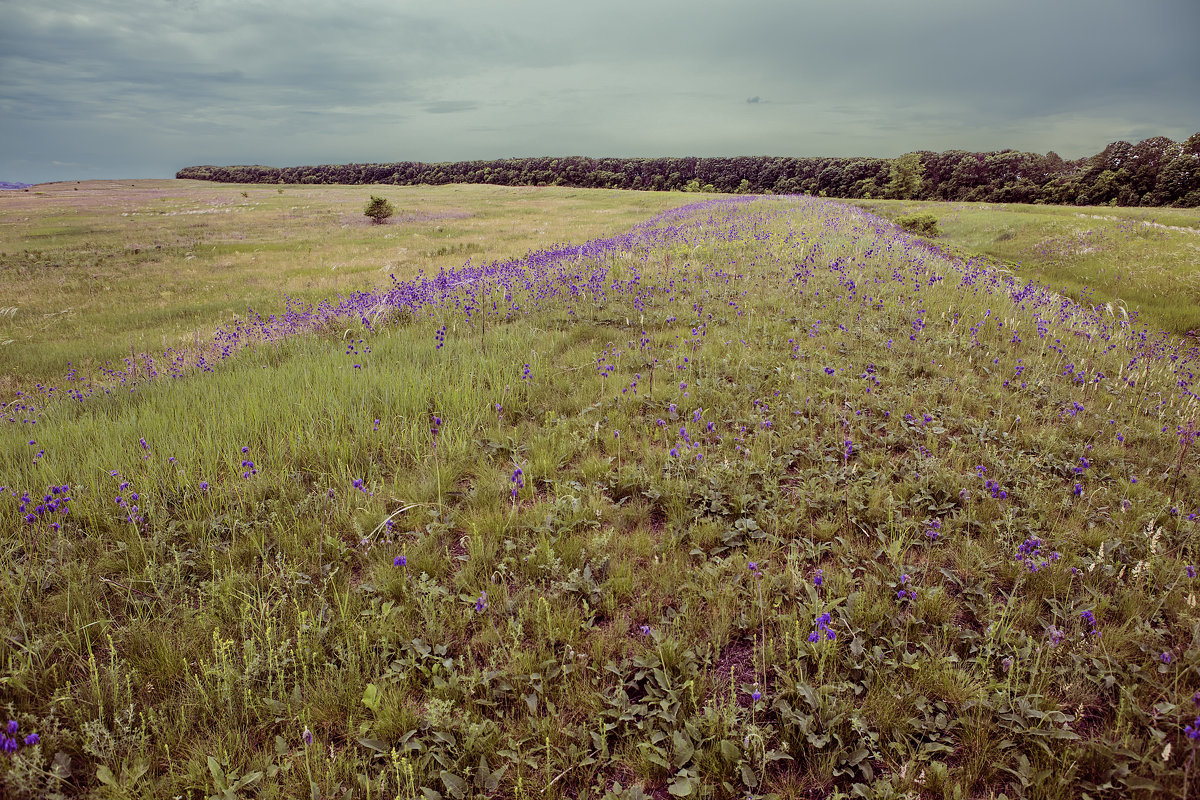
pixel 683 748
pixel 217 773
pixel 1139 783
pixel 683 786
pixel 654 755
pixel 246 780
pixel 140 768
pixel 493 781
pixel 455 785
pixel 482 772
pixel 375 744
pixel 105 776
pixel 372 697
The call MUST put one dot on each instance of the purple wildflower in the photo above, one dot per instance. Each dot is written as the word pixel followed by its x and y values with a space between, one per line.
pixel 822 627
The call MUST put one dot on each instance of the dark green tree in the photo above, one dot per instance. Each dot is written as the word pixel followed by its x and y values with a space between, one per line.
pixel 905 177
pixel 379 209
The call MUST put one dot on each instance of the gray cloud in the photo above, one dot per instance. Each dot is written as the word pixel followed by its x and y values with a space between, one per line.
pixel 142 87
pixel 450 106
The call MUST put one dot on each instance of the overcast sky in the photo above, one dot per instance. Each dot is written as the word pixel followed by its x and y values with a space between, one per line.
pixel 141 88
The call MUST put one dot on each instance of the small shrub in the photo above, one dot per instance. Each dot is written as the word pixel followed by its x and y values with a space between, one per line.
pixel 379 209
pixel 920 224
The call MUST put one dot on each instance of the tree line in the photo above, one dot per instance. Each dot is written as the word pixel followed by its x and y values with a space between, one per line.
pixel 1153 172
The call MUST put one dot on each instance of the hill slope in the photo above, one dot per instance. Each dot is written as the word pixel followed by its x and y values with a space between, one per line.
pixel 763 496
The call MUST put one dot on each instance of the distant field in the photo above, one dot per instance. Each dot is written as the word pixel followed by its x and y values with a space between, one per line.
pixel 99 270
pixel 95 271
pixel 1144 259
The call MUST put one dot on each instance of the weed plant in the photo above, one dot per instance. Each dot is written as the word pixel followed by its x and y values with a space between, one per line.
pixel 763 498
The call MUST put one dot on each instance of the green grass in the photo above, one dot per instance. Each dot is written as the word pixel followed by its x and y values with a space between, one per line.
pixel 1142 259
pixel 623 632
pixel 99 270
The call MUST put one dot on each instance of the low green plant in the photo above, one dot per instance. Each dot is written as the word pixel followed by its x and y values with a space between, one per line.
pixel 920 224
pixel 379 209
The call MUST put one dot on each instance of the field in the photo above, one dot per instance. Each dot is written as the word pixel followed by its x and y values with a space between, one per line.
pixel 754 497
pixel 99 271
pixel 1144 259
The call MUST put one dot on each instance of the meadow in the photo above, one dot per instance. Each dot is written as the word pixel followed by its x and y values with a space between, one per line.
pixel 757 497
pixel 98 271
pixel 1140 259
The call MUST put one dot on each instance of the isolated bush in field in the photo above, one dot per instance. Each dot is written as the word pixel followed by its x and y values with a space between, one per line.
pixel 920 224
pixel 379 209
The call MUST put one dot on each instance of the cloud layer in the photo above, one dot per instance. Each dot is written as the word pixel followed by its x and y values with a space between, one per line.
pixel 139 88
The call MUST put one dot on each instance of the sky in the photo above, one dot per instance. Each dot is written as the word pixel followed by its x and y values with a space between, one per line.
pixel 141 88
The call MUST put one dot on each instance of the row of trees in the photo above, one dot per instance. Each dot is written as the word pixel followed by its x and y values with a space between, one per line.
pixel 1153 172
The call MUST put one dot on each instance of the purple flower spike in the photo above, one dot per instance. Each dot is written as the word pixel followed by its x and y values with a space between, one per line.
pixel 1193 730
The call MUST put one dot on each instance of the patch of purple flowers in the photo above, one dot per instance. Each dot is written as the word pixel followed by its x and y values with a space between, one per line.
pixel 822 630
pixel 1031 554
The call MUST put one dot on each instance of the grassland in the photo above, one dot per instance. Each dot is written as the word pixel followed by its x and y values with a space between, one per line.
pixel 762 498
pixel 1141 259
pixel 99 271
